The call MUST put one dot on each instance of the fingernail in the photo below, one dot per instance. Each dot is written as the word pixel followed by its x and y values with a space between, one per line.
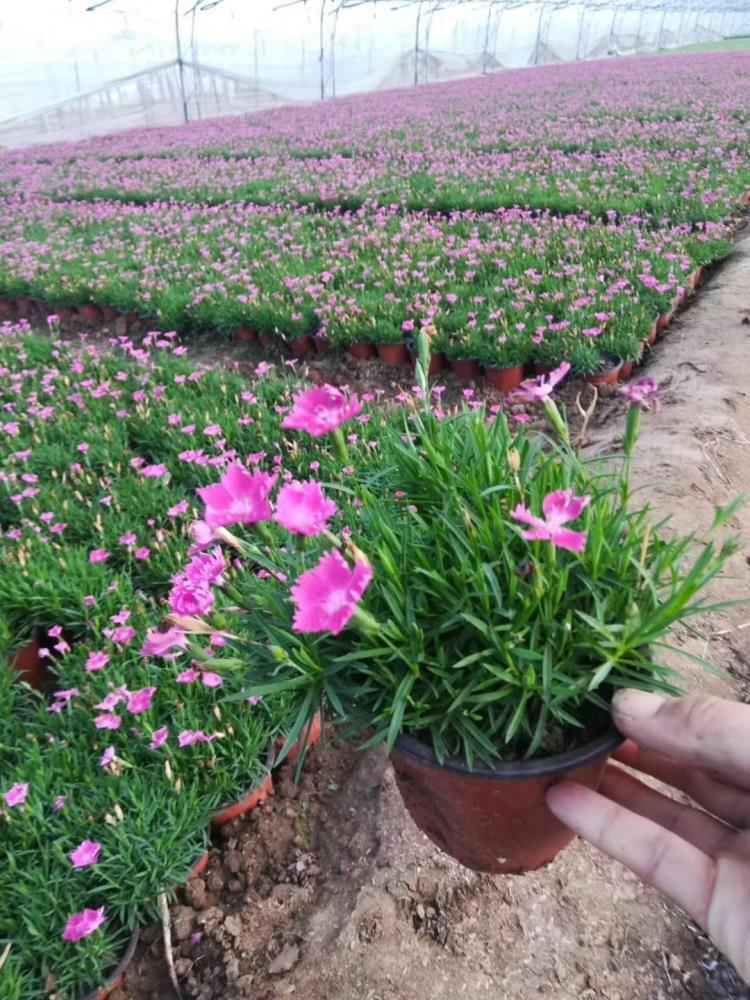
pixel 636 705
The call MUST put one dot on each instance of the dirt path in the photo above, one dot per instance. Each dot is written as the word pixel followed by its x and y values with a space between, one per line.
pixel 330 893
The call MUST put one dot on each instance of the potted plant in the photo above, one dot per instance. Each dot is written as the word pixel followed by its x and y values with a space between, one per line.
pixel 490 593
pixel 503 361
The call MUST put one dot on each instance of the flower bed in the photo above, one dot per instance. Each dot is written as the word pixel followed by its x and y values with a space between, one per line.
pixel 112 772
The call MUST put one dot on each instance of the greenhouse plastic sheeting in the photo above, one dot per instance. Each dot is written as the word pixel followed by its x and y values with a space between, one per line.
pixel 67 72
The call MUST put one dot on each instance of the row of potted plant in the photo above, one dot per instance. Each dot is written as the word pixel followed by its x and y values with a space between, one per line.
pixel 505 289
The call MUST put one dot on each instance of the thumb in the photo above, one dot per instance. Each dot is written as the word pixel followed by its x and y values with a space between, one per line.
pixel 698 730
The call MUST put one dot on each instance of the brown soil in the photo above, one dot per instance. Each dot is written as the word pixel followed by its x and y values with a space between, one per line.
pixel 328 891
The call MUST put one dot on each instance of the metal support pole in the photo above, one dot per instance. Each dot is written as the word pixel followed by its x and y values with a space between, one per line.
pixel 180 61
pixel 416 43
pixel 322 51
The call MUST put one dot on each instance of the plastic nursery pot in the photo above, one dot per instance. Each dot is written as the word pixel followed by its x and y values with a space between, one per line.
pixel 7 310
pixel 301 346
pixel 90 314
pixel 494 820
pixel 626 372
pixel 393 354
pixel 321 345
pixel 653 335
pixel 696 277
pixel 29 665
pixel 266 340
pixel 25 307
pixel 664 322
pixel 505 379
pixel 64 314
pixel 609 372
pixel 131 319
pixel 116 979
pixel 199 867
pixel 251 800
pixel 466 368
pixel 363 350
pixel 301 744
pixel 244 335
pixel 109 314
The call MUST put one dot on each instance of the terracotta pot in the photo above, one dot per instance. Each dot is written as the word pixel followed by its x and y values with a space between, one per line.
pixel 116 979
pixel 611 367
pixel 64 313
pixel 438 360
pixel 29 665
pixel 131 319
pixel 25 307
pixel 200 866
pixel 109 314
pixel 746 198
pixel 244 335
pixel 626 372
pixel 301 346
pixel 505 379
pixel 363 350
pixel 466 368
pixel 654 335
pixel 664 322
pixel 494 820
pixel 540 369
pixel 266 340
pixel 321 345
pixel 7 310
pixel 393 354
pixel 251 800
pixel 307 740
pixel 90 314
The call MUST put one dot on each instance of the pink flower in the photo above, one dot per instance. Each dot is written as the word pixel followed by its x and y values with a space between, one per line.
pixel 637 393
pixel 82 924
pixel 539 390
pixel 189 738
pixel 143 553
pixel 59 803
pixel 303 508
pixel 208 568
pixel 96 661
pixel 17 795
pixel 108 721
pixel 140 701
pixel 154 471
pixel 130 538
pixel 162 643
pixel 321 410
pixel 240 498
pixel 108 757
pixel 179 508
pixel 98 556
pixel 559 508
pixel 86 854
pixel 123 635
pixel 190 599
pixel 159 738
pixel 67 695
pixel 326 597
pixel 211 680
pixel 189 676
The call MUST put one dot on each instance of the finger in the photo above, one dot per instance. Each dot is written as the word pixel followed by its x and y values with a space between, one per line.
pixel 693 825
pixel 659 857
pixel 728 802
pixel 708 732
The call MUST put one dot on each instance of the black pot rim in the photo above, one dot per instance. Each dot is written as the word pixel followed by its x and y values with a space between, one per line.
pixel 515 770
pixel 125 961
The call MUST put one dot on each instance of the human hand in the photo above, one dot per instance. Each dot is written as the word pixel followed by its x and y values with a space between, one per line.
pixel 699 857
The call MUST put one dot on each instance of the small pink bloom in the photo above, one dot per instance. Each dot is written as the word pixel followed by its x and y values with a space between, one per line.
pixel 179 508
pixel 303 508
pixel 86 854
pixel 190 599
pixel 143 553
pixel 108 721
pixel 189 676
pixel 559 508
pixel 159 738
pixel 208 568
pixel 17 795
pixel 189 738
pixel 326 597
pixel 67 695
pixel 321 410
pixel 638 393
pixel 82 924
pixel 123 635
pixel 128 539
pixel 163 643
pixel 59 803
pixel 240 498
pixel 108 758
pixel 140 701
pixel 89 601
pixel 539 390
pixel 154 471
pixel 98 556
pixel 211 680
pixel 96 661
